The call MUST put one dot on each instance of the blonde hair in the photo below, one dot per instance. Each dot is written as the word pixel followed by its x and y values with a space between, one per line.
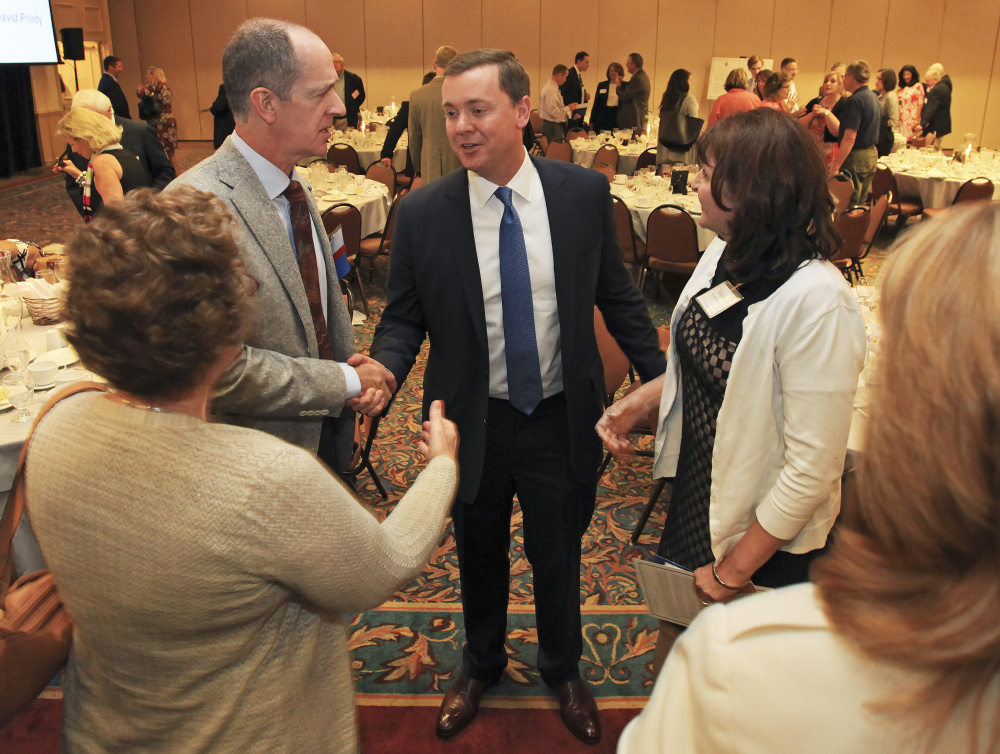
pixel 913 577
pixel 833 75
pixel 95 129
pixel 157 74
pixel 737 79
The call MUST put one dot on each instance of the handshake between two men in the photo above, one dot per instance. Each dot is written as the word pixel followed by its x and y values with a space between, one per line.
pixel 377 386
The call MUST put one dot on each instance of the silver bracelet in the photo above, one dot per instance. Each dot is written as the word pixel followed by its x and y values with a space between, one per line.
pixel 723 583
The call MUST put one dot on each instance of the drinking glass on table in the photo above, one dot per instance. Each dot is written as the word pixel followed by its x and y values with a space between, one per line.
pixel 18 357
pixel 20 390
pixel 10 311
pixel 864 289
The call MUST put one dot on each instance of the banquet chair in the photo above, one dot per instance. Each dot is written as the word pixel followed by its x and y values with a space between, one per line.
pixel 671 246
pixel 346 155
pixel 541 145
pixel 577 133
pixel 876 223
pixel 841 188
pixel 536 122
pixel 885 182
pixel 647 159
pixel 633 248
pixel 608 154
pixel 384 175
pixel 606 169
pixel 560 150
pixel 416 183
pixel 347 217
pixel 852 227
pixel 378 245
pixel 973 190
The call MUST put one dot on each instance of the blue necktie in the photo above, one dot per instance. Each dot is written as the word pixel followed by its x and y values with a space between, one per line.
pixel 524 377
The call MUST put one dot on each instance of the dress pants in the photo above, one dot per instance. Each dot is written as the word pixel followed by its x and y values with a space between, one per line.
pixel 553 131
pixel 527 456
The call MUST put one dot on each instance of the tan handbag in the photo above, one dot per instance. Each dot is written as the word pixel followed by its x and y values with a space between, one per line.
pixel 35 631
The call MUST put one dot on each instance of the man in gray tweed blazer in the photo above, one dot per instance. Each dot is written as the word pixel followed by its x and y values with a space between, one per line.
pixel 279 78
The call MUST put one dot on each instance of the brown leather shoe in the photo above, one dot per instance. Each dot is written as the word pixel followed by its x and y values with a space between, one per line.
pixel 460 706
pixel 579 711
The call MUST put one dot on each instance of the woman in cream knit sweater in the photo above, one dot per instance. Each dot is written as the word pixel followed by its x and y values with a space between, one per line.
pixel 207 568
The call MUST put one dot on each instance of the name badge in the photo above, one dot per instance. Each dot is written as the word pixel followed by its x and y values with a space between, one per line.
pixel 716 300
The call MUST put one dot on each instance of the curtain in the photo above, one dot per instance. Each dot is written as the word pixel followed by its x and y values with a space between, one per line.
pixel 18 137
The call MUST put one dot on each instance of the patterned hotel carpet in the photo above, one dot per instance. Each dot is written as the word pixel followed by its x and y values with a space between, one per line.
pixel 406 651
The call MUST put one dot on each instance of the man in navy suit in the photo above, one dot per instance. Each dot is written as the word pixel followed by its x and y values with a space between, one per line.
pixel 109 86
pixel 501 265
pixel 573 89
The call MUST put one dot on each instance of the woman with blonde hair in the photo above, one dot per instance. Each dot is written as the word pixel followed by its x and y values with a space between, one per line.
pixel 895 645
pixel 155 108
pixel 112 170
pixel 832 101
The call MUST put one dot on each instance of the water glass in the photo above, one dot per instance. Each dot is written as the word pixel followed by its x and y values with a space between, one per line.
pixel 864 289
pixel 19 390
pixel 18 357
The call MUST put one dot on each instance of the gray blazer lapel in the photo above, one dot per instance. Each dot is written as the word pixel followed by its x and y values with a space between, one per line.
pixel 265 226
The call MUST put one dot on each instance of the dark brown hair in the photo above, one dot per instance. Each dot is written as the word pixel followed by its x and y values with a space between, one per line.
pixel 156 288
pixel 768 172
pixel 514 81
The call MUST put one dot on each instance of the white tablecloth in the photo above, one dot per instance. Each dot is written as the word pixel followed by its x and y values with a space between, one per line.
pixel 373 204
pixel 584 152
pixel 369 153
pixel 640 215
pixel 936 192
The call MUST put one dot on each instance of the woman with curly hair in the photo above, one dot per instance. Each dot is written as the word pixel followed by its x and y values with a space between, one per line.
pixel 911 101
pixel 163 121
pixel 208 567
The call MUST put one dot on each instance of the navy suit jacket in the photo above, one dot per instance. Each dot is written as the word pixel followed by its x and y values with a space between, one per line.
pixel 119 102
pixel 353 83
pixel 434 289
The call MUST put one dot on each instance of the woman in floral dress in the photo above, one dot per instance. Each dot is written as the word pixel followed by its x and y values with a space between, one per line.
pixel 164 123
pixel 831 95
pixel 911 100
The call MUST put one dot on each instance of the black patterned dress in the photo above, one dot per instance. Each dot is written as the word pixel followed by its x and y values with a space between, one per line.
pixel 705 349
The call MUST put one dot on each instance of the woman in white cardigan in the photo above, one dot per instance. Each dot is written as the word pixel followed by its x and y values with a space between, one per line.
pixel 895 646
pixel 766 346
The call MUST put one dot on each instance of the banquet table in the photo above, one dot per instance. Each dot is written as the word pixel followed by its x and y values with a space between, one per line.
pixel 373 202
pixel 937 180
pixel 370 149
pixel 585 150
pixel 640 214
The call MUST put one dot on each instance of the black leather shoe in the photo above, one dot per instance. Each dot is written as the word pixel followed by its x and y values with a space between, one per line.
pixel 460 706
pixel 579 711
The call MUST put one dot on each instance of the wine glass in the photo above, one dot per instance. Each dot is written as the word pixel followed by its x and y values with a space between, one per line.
pixel 20 390
pixel 864 289
pixel 10 311
pixel 18 357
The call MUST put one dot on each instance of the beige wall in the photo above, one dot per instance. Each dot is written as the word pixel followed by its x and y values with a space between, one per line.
pixel 390 42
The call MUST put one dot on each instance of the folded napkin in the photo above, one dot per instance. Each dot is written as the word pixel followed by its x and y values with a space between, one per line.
pixel 935 173
pixel 38 288
pixel 622 192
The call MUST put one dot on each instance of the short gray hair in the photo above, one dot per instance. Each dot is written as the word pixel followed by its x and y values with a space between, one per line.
pixel 92 100
pixel 860 70
pixel 260 54
pixel 514 82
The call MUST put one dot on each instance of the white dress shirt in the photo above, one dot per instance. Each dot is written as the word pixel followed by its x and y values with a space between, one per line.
pixel 274 183
pixel 528 199
pixel 550 105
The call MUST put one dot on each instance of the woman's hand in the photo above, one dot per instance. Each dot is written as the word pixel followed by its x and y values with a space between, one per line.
pixel 68 168
pixel 710 591
pixel 440 436
pixel 618 420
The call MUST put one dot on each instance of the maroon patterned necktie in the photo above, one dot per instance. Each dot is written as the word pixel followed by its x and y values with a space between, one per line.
pixel 306 253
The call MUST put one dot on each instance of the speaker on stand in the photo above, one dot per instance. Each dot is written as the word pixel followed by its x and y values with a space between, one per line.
pixel 72 41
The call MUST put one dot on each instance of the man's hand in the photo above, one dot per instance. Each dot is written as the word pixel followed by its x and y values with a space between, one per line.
pixel 377 386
